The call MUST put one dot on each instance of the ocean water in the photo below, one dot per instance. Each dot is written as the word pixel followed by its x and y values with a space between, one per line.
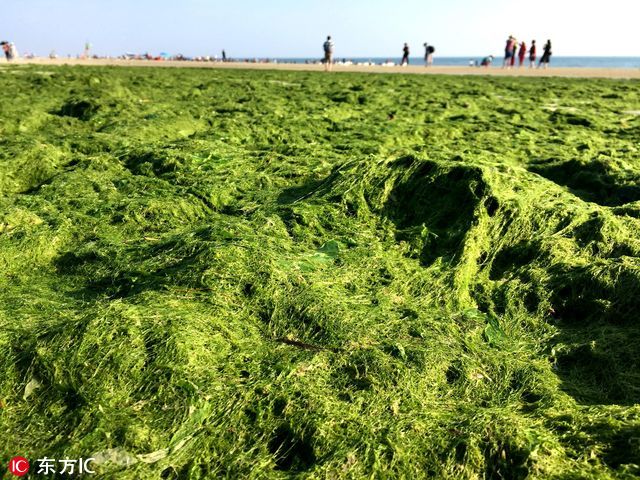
pixel 580 62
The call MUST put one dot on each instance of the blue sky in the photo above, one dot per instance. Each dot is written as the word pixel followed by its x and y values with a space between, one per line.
pixel 297 28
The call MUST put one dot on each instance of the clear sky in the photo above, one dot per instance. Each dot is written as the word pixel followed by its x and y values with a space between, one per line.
pixel 297 28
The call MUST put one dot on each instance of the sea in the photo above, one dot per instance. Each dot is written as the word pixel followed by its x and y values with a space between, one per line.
pixel 557 61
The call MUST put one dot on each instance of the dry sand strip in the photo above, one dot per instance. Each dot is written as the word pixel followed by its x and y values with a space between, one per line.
pixel 622 73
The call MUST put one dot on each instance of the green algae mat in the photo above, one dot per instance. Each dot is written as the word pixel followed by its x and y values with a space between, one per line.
pixel 245 274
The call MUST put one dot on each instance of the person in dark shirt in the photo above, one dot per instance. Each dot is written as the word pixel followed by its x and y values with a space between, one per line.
pixel 405 55
pixel 328 54
pixel 6 48
pixel 486 61
pixel 532 54
pixel 546 55
pixel 428 54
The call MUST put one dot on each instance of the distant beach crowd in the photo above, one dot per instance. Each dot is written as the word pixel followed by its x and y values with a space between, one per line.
pixel 513 49
pixel 515 54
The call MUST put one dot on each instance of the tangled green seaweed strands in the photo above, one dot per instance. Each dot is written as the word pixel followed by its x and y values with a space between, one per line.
pixel 249 274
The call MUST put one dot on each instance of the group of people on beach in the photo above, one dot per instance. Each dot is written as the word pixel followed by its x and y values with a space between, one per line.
pixel 514 49
pixel 429 50
pixel 328 47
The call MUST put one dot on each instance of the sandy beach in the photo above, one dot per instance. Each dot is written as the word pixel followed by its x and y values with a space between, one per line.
pixel 621 73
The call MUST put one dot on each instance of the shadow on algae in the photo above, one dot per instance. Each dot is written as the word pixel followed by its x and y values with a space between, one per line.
pixel 247 274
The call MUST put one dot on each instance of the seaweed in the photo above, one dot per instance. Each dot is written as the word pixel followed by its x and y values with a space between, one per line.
pixel 216 273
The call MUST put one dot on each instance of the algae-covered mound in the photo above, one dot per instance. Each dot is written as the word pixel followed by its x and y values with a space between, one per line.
pixel 281 274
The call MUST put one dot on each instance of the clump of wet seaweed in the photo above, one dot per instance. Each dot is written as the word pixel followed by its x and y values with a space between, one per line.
pixel 269 274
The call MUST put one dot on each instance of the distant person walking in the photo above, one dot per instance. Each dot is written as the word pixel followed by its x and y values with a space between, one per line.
pixel 522 53
pixel 6 48
pixel 508 51
pixel 328 54
pixel 405 55
pixel 224 56
pixel 533 54
pixel 546 55
pixel 428 54
pixel 514 50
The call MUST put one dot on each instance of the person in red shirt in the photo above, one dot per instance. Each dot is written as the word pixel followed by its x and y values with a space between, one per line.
pixel 508 52
pixel 522 53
